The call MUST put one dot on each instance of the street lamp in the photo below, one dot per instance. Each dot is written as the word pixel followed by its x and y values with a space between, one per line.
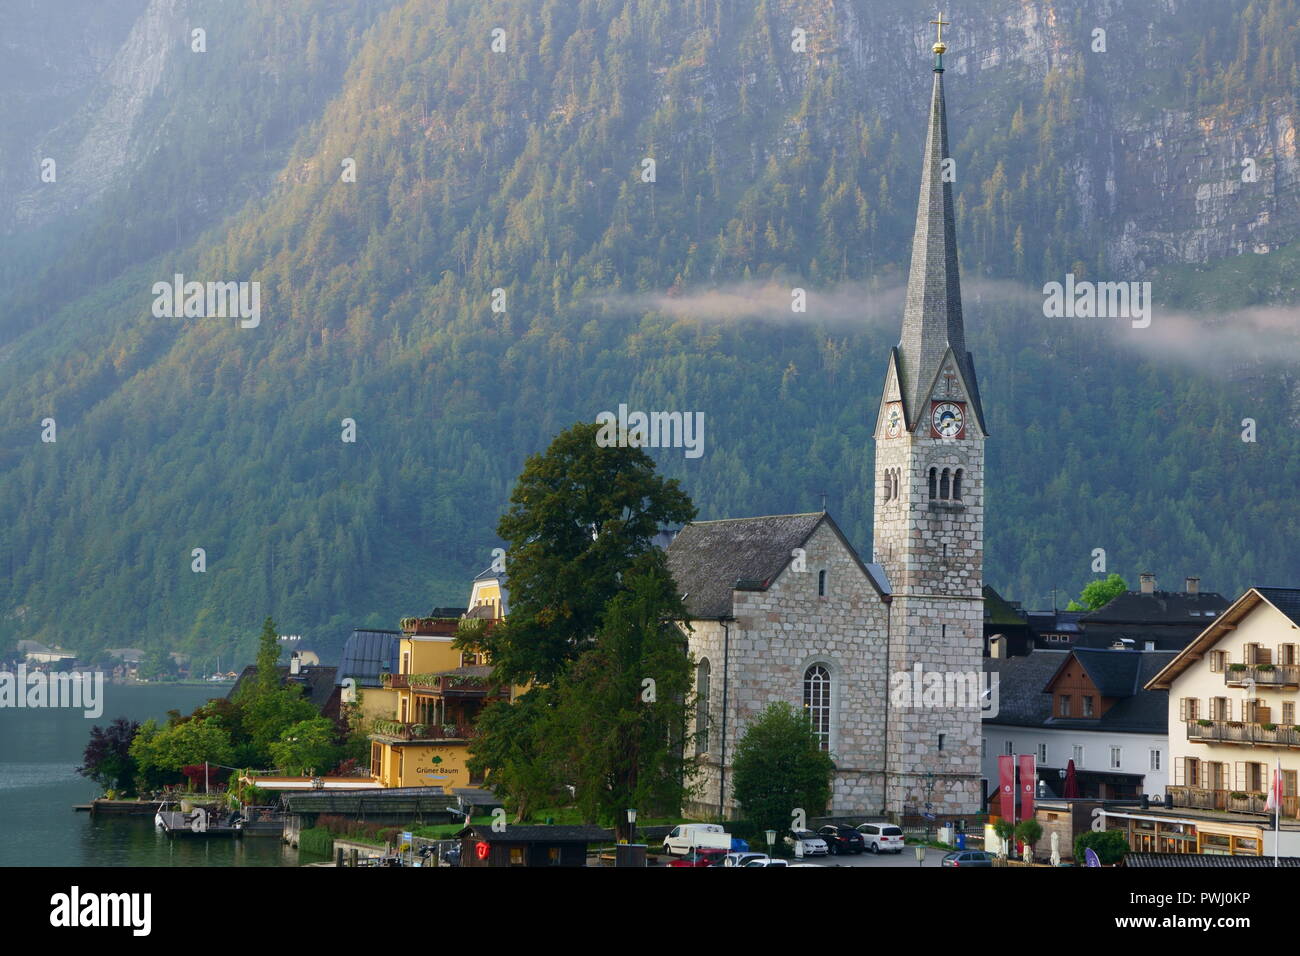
pixel 631 826
pixel 771 838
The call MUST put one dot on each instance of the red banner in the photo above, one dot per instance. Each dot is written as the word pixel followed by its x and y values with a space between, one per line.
pixel 1028 781
pixel 1007 787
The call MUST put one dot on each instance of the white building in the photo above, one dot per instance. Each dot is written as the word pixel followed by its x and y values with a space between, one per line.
pixel 1085 705
pixel 1232 720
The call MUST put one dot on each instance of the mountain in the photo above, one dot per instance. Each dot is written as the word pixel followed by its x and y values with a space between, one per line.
pixel 517 177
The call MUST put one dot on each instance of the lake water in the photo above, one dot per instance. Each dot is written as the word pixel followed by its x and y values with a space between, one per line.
pixel 40 751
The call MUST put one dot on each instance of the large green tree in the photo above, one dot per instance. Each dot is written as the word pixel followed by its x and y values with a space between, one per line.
pixel 308 746
pixel 580 516
pixel 508 749
pixel 166 750
pixel 779 769
pixel 619 725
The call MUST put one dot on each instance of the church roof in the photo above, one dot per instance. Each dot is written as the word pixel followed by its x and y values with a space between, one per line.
pixel 932 315
pixel 710 559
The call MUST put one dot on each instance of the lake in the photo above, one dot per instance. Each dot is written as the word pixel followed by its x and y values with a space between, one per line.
pixel 40 750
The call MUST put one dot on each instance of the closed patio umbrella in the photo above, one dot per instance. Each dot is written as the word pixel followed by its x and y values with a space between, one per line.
pixel 1071 781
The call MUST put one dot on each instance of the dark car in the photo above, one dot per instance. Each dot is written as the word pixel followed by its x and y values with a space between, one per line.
pixel 842 839
pixel 967 858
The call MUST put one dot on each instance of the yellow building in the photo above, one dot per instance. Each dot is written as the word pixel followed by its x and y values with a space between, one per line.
pixel 439 694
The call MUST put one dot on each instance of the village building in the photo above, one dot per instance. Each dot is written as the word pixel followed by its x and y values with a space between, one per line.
pixel 1232 722
pixel 1085 707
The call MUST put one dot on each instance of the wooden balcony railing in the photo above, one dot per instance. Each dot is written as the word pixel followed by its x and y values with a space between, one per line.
pixel 1243 732
pixel 423 732
pixel 394 681
pixel 1262 675
pixel 1236 801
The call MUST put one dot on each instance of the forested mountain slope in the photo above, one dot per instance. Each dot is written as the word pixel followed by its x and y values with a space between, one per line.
pixel 521 171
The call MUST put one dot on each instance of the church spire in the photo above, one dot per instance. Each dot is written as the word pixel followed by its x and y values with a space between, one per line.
pixel 932 316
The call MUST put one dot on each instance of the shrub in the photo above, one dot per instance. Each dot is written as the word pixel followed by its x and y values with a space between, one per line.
pixel 1109 845
pixel 316 840
pixel 1029 831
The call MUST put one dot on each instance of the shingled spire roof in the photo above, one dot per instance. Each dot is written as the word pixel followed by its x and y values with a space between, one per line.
pixel 932 319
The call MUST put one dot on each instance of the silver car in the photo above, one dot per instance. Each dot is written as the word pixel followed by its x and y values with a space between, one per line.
pixel 813 845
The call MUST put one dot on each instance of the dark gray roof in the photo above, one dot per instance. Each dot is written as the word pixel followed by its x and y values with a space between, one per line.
pixel 318 684
pixel 708 559
pixel 538 834
pixel 1114 673
pixel 1023 681
pixel 1286 600
pixel 1021 701
pixel 1159 607
pixel 932 315
pixel 369 653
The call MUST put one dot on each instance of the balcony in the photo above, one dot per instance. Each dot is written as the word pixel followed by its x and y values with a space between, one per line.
pixel 1231 801
pixel 424 733
pixel 394 681
pixel 1243 732
pixel 1262 675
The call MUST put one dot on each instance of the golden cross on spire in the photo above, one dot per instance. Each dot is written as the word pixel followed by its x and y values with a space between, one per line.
pixel 939 45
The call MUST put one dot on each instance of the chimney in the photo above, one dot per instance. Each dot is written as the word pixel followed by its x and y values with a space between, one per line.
pixel 997 647
pixel 1193 585
pixel 295 664
pixel 1148 582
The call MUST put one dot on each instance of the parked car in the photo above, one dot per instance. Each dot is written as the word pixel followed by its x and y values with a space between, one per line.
pixel 736 858
pixel 701 856
pixel 766 861
pixel 881 837
pixel 813 845
pixel 842 839
pixel 687 836
pixel 967 858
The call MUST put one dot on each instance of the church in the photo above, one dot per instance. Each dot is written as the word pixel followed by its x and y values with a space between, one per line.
pixel 784 608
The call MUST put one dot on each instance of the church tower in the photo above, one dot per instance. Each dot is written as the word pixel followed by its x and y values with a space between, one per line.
pixel 929 509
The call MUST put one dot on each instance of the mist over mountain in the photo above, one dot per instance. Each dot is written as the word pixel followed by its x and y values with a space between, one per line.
pixel 518 177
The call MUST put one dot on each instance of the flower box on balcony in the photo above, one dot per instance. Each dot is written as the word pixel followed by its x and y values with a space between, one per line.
pixel 1237 667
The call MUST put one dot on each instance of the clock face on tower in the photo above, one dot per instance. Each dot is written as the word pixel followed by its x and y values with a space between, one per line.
pixel 893 420
pixel 948 419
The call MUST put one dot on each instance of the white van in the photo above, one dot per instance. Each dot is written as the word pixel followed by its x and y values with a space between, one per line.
pixel 687 836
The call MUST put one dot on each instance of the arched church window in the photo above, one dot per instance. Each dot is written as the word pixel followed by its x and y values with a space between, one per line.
pixel 956 485
pixel 894 480
pixel 933 481
pixel 943 484
pixel 821 583
pixel 888 486
pixel 702 677
pixel 817 703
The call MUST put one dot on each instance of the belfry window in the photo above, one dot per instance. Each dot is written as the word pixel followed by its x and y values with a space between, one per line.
pixel 888 483
pixel 933 480
pixel 817 703
pixel 956 485
pixel 943 485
